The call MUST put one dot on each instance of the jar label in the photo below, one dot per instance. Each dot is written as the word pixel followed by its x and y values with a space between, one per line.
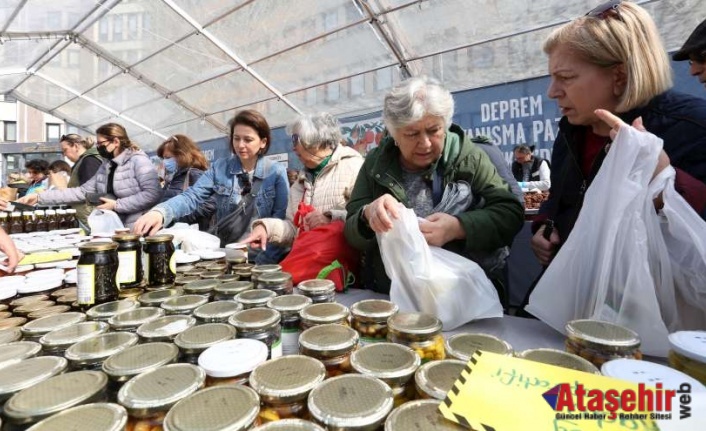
pixel 86 284
pixel 276 350
pixel 290 341
pixel 127 267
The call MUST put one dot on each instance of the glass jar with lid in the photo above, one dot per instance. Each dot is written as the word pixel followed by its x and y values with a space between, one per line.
pixel 332 344
pixel 319 290
pixel 89 417
pixel 434 379
pixel 289 425
pixel 54 395
pixel 149 396
pixel 8 335
pixel 104 312
pixel 210 275
pixel 138 359
pixel 229 289
pixel 560 359
pixel 196 340
pixel 184 304
pixel 34 330
pixel 156 297
pixel 420 415
pixel 89 354
pixel 217 311
pixel 226 408
pixel 200 287
pixel 243 270
pixel 232 361
pixel 160 261
pixel 165 328
pixel 394 364
pixel 181 280
pixel 49 311
pixel 130 260
pixel 133 293
pixel 56 342
pixel 278 282
pixel 63 292
pixel 217 267
pixel 97 272
pixel 369 318
pixel 289 307
pixel 284 398
pixel 12 322
pixel 194 272
pixel 254 298
pixel 463 346
pixel 18 351
pixel 20 375
pixel 351 402
pixel 688 353
pixel 599 342
pixel 130 320
pixel 261 324
pixel 419 331
pixel 226 278
pixel 257 270
pixel 650 373
pixel 323 314
pixel 19 302
pixel 27 309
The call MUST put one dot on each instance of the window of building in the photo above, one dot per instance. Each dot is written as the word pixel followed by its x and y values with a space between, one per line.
pixel 103 29
pixel 383 78
pixel 53 132
pixel 10 131
pixel 330 20
pixel 357 85
pixel 146 22
pixel 132 24
pixel 117 28
pixel 311 97
pixel 333 91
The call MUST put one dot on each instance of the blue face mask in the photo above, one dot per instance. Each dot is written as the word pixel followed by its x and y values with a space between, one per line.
pixel 170 165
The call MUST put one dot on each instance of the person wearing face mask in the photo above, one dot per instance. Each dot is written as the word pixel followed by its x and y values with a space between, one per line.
pixel 125 183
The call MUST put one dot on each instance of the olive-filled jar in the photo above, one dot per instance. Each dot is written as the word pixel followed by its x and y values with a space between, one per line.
pixel 260 324
pixel 688 353
pixel 419 331
pixel 289 425
pixel 130 258
pixel 201 287
pixel 420 415
pixel 560 359
pixel 257 270
pixel 217 311
pixel 165 328
pixel 138 359
pixel 231 362
pixel 20 375
pixel 160 261
pixel 255 298
pixel 89 417
pixel 104 312
pixel 196 340
pixel 231 407
pixel 229 289
pixel 394 364
pixel 156 297
pixel 435 379
pixel 351 402
pixel 278 282
pixel 131 320
pixel 34 330
pixel 89 354
pixel 369 318
pixel 599 342
pixel 323 314
pixel 243 270
pixel 18 351
pixel 184 304
pixel 319 290
pixel 56 342
pixel 332 345
pixel 463 346
pixel 289 307
pixel 284 384
pixel 97 273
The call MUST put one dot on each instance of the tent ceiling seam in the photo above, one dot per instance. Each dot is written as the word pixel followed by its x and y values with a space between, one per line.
pixel 14 14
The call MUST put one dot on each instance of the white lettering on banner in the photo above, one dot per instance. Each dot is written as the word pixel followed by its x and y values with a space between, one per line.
pixel 209 154
pixel 522 107
pixel 280 158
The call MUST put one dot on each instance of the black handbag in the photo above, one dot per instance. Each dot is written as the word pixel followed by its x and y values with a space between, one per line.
pixel 232 227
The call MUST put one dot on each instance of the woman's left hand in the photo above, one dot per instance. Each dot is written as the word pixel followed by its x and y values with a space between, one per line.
pixel 441 228
pixel 315 219
pixel 108 204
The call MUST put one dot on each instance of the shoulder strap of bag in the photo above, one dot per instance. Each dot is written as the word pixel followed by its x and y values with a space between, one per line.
pixel 186 180
pixel 437 185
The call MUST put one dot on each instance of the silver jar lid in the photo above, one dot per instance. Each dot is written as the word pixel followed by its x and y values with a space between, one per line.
pixel 17 351
pixel 159 389
pixel 254 319
pixel 182 280
pixel 289 303
pixel 414 323
pixel 420 415
pixel 255 297
pixel 287 378
pixel 139 359
pixel 47 324
pixel 20 375
pixel 165 328
pixel 289 425
pixel 325 312
pixel 220 408
pixel 233 287
pixel 180 269
pixel 386 361
pixel 436 378
pixel 560 359
pixel 10 335
pixel 63 338
pixel 462 346
pixel 91 417
pixel 129 320
pixel 217 311
pixel 201 337
pixel 374 309
pixel 105 311
pixel 183 304
pixel 262 269
pixel 49 311
pixel 602 335
pixel 351 401
pixel 200 287
pixel 210 275
pixel 316 286
pixel 156 297
pixel 331 339
pixel 274 278
pixel 226 278
pixel 98 348
pixel 54 395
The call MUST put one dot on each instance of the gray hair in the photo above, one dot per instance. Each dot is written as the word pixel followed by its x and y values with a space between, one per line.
pixel 317 131
pixel 414 98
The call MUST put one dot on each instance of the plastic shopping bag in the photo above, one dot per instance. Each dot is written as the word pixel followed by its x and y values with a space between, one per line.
pixel 190 239
pixel 104 222
pixel 433 280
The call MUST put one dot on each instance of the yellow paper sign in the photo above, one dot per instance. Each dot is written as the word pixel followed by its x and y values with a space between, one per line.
pixel 44 257
pixel 501 393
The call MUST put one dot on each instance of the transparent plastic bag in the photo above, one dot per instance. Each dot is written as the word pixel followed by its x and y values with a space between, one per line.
pixel 104 222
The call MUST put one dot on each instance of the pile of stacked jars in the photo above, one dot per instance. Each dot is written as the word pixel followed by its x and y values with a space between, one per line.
pixel 39 220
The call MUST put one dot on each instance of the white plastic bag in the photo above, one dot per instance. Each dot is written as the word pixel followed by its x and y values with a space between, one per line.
pixel 433 280
pixel 191 239
pixel 104 222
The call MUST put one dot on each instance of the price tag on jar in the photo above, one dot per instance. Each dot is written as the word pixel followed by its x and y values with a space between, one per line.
pixel 86 284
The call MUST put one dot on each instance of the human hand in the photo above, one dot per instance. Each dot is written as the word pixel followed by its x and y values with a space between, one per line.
pixel 380 212
pixel 440 228
pixel 8 247
pixel 315 219
pixel 150 223
pixel 30 199
pixel 258 237
pixel 108 204
pixel 543 249
pixel 3 204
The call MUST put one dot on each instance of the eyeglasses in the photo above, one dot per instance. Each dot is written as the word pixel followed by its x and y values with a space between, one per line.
pixel 295 140
pixel 604 10
pixel 245 184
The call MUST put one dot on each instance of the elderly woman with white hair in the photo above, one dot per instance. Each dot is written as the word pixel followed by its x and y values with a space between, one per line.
pixel 423 152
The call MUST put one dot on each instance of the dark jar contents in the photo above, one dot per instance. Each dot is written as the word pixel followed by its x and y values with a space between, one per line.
pixel 130 258
pixel 41 225
pixel 16 225
pixel 71 220
pixel 4 222
pixel 97 271
pixel 160 262
pixel 52 223
pixel 28 221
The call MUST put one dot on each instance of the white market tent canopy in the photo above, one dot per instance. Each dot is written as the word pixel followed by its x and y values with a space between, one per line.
pixel 161 67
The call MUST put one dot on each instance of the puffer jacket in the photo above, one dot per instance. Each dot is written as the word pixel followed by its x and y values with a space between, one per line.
pixel 329 193
pixel 135 185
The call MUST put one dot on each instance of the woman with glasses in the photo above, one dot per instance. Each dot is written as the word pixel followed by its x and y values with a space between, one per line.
pixel 245 185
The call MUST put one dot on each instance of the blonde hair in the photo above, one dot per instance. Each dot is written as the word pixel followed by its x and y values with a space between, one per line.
pixel 628 36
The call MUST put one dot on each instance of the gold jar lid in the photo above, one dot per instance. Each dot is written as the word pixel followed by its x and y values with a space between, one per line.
pixel 221 408
pixel 27 299
pixel 331 339
pixel 4 307
pixel 107 310
pixel 325 312
pixel 159 238
pixel 139 359
pixel 316 287
pixel 414 323
pixel 289 425
pixel 210 275
pixel 217 311
pixel 126 237
pixel 420 415
pixel 49 311
pixel 131 293
pixel 165 328
pixel 217 267
pixel 201 287
pixel 255 297
pixel 156 297
pixel 603 335
pixel 63 338
pixel 181 280
pixel 462 346
pixel 180 269
pixel 255 319
pixel 47 324
pixel 196 272
pixel 289 303
pixel 376 310
pixel 436 378
pixel 92 247
pixel 351 401
pixel 21 375
pixel 98 348
pixel 89 417
pixel 560 359
pixel 258 270
pixel 67 299
pixel 5 314
pixel 183 304
pixel 159 389
pixel 203 264
pixel 54 395
pixel 201 337
pixel 128 320
pixel 225 278
pixel 386 361
pixel 287 378
pixel 24 310
pixel 9 335
pixel 232 287
pixel 274 278
pixel 64 291
pixel 237 258
pixel 12 322
pixel 17 351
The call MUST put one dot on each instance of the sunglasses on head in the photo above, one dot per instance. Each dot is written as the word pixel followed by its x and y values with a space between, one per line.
pixel 245 184
pixel 607 9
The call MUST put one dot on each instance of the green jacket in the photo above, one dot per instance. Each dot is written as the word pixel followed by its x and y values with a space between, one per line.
pixel 83 210
pixel 487 229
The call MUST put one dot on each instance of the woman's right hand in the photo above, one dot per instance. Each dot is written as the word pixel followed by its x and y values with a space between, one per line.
pixel 543 249
pixel 150 223
pixel 258 237
pixel 30 199
pixel 379 211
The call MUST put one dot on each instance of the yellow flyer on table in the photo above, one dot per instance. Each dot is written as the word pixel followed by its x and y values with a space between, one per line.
pixel 501 393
